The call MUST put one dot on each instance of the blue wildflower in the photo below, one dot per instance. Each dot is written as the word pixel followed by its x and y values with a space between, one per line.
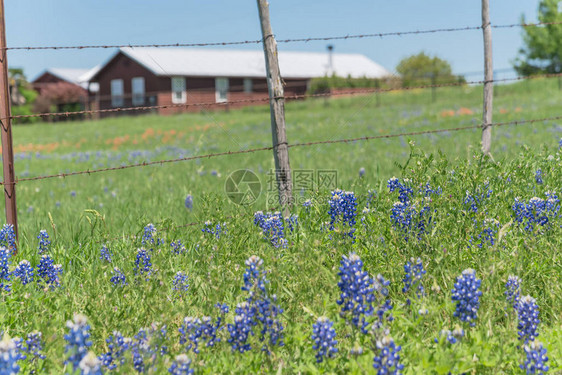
pixel 528 319
pixel 324 337
pixel 357 290
pixel 118 346
pixel 307 204
pixel 361 172
pixel 414 272
pixel 466 295
pixel 537 211
pixel 241 328
pixel 24 272
pixel 9 356
pixel 181 366
pixel 5 275
pixel 536 359
pixel 217 230
pixel 477 199
pixel 143 264
pixel 44 241
pixel 149 236
pixel 8 236
pixel 48 272
pixel 34 345
pixel 148 346
pixel 177 247
pixel 180 283
pixel 223 307
pixel 452 336
pixel 387 359
pixel 189 202
pixel 538 176
pixel 78 340
pixel 513 289
pixel 195 330
pixel 343 211
pixel 118 278
pixel 105 254
pixel 272 227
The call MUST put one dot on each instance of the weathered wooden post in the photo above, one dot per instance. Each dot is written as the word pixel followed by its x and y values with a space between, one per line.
pixel 488 79
pixel 6 123
pixel 277 105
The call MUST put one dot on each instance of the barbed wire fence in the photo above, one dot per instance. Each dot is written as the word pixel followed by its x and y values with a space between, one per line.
pixel 10 180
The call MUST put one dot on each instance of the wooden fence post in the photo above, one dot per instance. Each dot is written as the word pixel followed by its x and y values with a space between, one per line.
pixel 488 79
pixel 277 106
pixel 6 123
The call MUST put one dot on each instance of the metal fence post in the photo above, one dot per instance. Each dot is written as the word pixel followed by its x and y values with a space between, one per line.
pixel 488 79
pixel 6 123
pixel 277 105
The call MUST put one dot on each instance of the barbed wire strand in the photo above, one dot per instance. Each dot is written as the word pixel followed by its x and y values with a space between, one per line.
pixel 287 97
pixel 208 156
pixel 289 40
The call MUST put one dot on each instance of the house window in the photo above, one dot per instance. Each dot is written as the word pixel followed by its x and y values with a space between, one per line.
pixel 248 85
pixel 178 90
pixel 221 89
pixel 137 84
pixel 117 92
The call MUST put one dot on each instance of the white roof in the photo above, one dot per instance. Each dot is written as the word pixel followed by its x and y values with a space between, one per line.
pixel 248 63
pixel 77 76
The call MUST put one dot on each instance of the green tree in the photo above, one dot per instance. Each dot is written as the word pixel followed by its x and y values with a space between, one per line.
pixel 542 52
pixel 22 95
pixel 422 69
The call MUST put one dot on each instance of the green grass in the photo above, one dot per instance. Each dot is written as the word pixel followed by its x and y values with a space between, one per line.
pixel 110 207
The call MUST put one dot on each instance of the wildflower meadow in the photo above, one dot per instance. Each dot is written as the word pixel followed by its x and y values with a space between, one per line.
pixel 423 257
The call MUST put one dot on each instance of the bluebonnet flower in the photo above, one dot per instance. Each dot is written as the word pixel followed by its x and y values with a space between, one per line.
pixel 292 222
pixel 371 196
pixel 513 290
pixel 78 340
pixel 264 307
pixel 343 211
pixel 528 319
pixel 148 346
pixel 217 230
pixel 48 272
pixel 24 272
pixel 538 176
pixel 361 172
pixel 149 236
pixel 143 264
pixel 177 247
pixel 452 336
pixel 189 202
pixel 467 296
pixel 560 143
pixel 73 193
pixel 90 365
pixel 307 204
pixel 387 359
pixel 405 192
pixel 118 278
pixel 536 359
pixel 272 227
pixel 105 253
pixel 181 366
pixel 357 291
pixel 242 328
pixel 477 199
pixel 537 211
pixel 34 345
pixel 44 241
pixel 414 272
pixel 223 307
pixel 196 330
pixel 8 236
pixel 180 283
pixel 9 356
pixel 324 337
pixel 5 275
pixel 487 236
pixel 118 346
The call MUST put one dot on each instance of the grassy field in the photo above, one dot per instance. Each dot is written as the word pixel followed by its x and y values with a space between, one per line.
pixel 83 213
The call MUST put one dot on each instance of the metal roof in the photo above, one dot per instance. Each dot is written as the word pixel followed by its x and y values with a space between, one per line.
pixel 250 63
pixel 79 77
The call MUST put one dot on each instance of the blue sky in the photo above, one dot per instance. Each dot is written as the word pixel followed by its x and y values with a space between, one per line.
pixel 71 22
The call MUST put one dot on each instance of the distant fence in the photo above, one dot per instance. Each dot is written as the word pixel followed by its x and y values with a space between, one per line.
pixel 10 180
